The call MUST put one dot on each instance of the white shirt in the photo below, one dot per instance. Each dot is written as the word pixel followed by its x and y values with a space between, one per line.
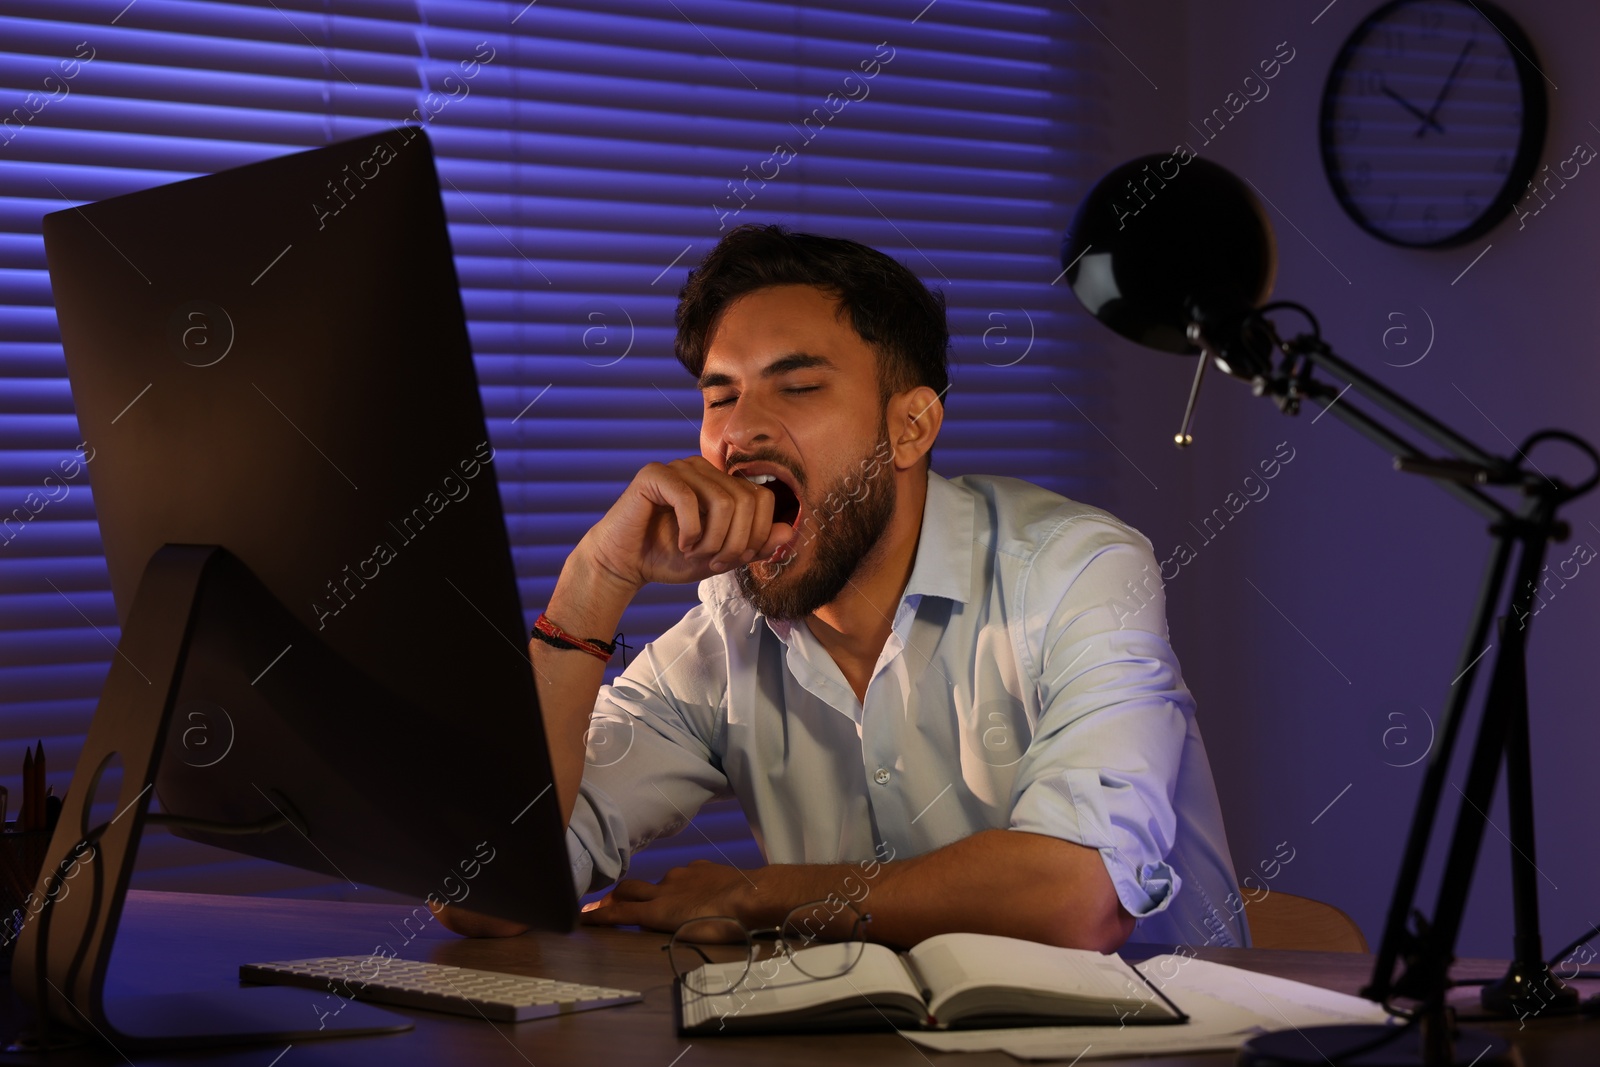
pixel 1028 683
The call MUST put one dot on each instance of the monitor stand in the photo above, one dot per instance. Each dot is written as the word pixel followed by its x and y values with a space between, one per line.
pixel 65 946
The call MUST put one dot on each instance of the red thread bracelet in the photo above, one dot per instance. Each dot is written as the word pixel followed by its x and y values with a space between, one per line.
pixel 551 634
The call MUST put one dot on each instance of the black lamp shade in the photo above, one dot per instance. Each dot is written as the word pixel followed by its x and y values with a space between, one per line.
pixel 1166 239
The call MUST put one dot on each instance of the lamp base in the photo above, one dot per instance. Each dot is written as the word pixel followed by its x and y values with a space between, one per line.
pixel 1529 991
pixel 1318 1046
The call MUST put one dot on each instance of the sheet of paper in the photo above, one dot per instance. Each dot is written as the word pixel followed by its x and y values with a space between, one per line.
pixel 1080 1042
pixel 1226 1005
pixel 1280 1002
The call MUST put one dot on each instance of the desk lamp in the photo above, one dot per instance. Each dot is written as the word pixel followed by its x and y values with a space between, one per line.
pixel 1176 254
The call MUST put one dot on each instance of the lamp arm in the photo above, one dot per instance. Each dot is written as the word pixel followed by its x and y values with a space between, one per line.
pixel 1408 413
pixel 1317 352
pixel 1401 449
pixel 1291 382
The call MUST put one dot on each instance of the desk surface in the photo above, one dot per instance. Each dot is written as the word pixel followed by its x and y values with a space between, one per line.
pixel 187 941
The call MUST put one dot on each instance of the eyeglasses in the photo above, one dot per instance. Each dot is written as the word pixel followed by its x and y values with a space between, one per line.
pixel 714 955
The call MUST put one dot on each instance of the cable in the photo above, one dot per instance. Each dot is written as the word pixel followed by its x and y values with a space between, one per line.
pixel 56 879
pixel 1575 946
pixel 1387 1038
pixel 1288 305
pixel 260 826
pixel 1594 478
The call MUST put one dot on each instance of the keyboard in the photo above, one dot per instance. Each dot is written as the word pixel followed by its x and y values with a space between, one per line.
pixel 506 998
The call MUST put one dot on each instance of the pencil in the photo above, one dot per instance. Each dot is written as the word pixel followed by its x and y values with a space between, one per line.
pixel 38 788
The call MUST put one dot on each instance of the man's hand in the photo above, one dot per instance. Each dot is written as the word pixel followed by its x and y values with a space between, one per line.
pixel 699 890
pixel 683 522
pixel 474 924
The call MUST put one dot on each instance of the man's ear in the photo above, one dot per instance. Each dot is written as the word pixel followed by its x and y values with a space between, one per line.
pixel 915 417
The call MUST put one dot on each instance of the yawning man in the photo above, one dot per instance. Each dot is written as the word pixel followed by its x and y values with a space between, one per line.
pixel 921 690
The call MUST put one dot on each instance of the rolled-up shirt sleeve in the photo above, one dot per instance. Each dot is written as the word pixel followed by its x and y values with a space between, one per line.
pixel 650 760
pixel 1102 766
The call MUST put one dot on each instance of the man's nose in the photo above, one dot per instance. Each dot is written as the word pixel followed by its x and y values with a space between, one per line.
pixel 749 425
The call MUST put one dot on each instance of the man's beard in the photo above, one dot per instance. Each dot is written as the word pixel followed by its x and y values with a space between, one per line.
pixel 843 533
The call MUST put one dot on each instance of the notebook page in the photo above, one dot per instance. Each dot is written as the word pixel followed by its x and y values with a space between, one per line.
pixel 952 963
pixel 776 986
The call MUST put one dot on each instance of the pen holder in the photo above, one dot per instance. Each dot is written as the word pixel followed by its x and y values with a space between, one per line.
pixel 22 855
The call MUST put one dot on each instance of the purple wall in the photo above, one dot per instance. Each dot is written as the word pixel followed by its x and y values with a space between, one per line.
pixel 1318 626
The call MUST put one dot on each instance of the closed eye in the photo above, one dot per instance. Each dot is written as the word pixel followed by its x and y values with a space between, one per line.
pixel 724 401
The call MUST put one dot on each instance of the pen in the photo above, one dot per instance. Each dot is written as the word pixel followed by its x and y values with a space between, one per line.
pixel 24 816
pixel 916 976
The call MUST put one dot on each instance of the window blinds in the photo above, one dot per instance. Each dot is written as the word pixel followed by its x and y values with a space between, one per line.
pixel 590 154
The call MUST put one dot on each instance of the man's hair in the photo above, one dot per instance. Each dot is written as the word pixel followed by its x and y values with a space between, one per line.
pixel 889 307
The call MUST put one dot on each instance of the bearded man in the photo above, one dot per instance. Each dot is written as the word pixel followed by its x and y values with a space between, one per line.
pixel 929 695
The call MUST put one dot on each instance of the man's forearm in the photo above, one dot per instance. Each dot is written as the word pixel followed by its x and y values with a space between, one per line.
pixel 1004 882
pixel 587 602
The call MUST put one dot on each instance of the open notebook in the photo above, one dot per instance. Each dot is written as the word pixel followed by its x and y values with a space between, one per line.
pixel 949 981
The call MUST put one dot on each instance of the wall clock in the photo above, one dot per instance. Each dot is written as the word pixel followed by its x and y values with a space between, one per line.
pixel 1433 121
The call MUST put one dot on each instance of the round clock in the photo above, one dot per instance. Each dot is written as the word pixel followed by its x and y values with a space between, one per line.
pixel 1433 120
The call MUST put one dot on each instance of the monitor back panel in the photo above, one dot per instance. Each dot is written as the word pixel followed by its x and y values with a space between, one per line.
pixel 274 359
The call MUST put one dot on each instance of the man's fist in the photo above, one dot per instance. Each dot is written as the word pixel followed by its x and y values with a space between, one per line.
pixel 685 521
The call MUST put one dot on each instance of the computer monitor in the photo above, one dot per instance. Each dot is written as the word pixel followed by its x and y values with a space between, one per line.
pixel 322 638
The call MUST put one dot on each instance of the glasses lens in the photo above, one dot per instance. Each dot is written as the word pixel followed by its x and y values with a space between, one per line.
pixel 826 944
pixel 711 956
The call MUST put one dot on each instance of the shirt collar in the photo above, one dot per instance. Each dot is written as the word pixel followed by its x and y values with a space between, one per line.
pixel 944 547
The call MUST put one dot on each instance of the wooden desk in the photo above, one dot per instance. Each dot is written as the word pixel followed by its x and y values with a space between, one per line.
pixel 187 941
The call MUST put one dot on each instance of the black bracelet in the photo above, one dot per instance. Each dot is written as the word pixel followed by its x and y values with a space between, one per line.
pixel 553 635
pixel 557 642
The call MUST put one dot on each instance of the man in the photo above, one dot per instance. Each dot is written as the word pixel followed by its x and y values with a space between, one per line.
pixel 930 696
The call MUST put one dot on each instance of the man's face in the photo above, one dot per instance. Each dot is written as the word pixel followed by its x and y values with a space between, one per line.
pixel 791 391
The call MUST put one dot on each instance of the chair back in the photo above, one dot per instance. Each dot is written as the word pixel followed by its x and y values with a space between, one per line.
pixel 1283 920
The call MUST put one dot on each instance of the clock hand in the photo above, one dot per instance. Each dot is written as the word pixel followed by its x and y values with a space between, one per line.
pixel 1445 88
pixel 1408 105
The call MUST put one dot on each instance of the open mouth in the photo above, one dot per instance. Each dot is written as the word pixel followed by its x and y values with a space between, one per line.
pixel 787 508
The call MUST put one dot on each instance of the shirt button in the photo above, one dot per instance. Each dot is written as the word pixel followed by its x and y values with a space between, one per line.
pixel 881 776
